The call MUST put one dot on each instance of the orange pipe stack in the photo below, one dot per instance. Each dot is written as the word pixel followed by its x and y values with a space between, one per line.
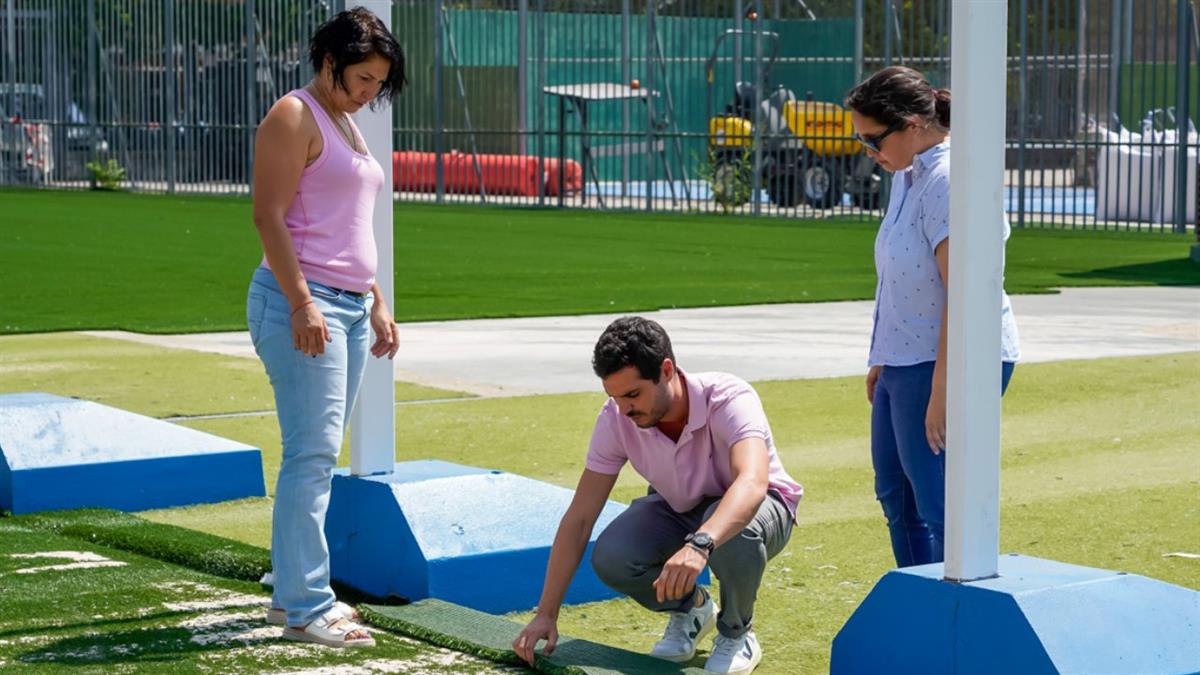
pixel 514 175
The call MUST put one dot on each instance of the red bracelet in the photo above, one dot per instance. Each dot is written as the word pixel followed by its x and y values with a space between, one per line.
pixel 302 305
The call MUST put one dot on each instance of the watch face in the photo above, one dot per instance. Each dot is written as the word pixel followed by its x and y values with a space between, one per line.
pixel 702 539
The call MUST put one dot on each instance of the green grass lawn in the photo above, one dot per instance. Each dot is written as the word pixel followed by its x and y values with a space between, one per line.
pixel 1099 469
pixel 161 264
pixel 145 378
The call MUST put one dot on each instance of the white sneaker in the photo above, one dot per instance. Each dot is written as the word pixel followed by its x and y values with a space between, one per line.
pixel 684 631
pixel 734 656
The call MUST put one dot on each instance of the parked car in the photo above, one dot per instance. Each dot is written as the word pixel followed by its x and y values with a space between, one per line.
pixel 35 138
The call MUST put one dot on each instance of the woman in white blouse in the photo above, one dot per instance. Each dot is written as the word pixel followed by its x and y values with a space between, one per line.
pixel 904 124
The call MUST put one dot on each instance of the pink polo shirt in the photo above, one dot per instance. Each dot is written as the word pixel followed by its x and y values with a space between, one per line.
pixel 722 410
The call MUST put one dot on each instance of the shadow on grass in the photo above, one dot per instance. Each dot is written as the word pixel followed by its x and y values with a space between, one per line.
pixel 152 645
pixel 95 625
pixel 1173 272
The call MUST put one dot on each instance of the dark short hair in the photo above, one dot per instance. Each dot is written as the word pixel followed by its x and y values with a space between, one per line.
pixel 898 93
pixel 632 341
pixel 351 37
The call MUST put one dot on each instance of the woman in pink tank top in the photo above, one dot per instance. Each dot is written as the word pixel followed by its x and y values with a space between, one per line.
pixel 314 301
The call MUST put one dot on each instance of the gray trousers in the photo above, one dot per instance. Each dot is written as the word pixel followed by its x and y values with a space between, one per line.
pixel 630 554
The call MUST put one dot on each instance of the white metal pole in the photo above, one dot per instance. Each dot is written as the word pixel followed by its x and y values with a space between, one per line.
pixel 979 39
pixel 373 425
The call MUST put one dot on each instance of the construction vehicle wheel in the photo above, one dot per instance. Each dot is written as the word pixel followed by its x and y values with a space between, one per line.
pixel 821 182
pixel 783 188
pixel 868 192
pixel 729 184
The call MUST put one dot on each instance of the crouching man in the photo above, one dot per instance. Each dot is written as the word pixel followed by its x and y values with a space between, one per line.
pixel 719 497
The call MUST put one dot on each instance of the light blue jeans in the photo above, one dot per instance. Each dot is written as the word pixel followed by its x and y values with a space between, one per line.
pixel 313 398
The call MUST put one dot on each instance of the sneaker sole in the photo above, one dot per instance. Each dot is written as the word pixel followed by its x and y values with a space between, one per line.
pixel 681 658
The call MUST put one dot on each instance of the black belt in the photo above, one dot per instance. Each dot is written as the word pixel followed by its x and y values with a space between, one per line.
pixel 353 294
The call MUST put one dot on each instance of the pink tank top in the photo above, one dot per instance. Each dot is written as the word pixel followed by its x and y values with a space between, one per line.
pixel 330 218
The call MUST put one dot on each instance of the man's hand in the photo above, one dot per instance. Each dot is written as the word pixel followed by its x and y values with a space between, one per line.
pixel 679 574
pixel 540 628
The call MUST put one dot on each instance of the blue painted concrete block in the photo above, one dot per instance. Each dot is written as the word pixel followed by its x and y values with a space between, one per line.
pixel 470 536
pixel 1037 616
pixel 61 453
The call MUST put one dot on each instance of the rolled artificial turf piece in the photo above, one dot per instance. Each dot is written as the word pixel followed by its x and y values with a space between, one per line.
pixel 490 637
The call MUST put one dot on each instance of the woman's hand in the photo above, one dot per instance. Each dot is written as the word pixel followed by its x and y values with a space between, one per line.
pixel 872 380
pixel 309 332
pixel 387 333
pixel 935 415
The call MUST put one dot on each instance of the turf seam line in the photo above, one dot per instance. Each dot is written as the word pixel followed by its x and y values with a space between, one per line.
pixel 262 413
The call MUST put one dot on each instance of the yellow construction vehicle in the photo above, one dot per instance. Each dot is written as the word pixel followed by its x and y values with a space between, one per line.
pixel 808 150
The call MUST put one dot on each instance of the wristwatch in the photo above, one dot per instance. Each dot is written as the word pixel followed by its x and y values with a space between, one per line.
pixel 702 541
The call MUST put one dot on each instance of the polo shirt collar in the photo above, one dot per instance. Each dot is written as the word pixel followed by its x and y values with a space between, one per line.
pixel 697 410
pixel 923 161
pixel 697 406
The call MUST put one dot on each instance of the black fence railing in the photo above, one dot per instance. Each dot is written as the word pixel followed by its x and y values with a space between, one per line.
pixel 690 105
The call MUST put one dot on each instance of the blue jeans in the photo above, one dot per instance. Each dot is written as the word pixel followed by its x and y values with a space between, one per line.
pixel 313 398
pixel 910 481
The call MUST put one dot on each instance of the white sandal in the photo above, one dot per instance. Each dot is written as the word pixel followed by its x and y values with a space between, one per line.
pixel 277 616
pixel 330 629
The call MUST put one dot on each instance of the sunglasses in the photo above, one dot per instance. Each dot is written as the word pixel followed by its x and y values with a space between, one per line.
pixel 872 142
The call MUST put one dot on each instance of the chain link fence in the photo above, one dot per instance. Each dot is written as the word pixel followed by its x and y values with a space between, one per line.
pixel 666 105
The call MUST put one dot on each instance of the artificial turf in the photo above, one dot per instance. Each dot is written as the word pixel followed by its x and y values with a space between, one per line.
pixel 196 550
pixel 145 379
pixel 165 264
pixel 467 630
pixel 216 610
pixel 72 605
pixel 1099 469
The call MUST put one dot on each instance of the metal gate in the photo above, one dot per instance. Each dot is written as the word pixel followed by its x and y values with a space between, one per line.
pixel 630 104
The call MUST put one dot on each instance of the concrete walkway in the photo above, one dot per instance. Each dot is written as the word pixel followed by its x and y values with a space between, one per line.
pixel 511 357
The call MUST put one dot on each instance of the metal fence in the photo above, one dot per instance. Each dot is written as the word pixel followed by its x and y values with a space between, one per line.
pixel 690 105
